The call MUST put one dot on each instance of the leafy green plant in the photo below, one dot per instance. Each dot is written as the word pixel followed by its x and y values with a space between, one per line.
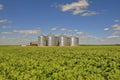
pixel 60 63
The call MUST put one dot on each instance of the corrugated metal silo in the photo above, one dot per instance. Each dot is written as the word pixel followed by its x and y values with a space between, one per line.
pixel 74 41
pixel 41 40
pixel 63 40
pixel 51 40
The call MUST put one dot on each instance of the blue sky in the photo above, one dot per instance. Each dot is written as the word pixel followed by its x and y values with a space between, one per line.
pixel 93 21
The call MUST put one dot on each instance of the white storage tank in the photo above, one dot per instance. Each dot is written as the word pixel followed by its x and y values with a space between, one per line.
pixel 63 40
pixel 41 40
pixel 52 40
pixel 74 41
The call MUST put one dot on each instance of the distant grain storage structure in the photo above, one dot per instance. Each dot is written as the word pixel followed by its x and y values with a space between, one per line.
pixel 42 40
pixel 61 40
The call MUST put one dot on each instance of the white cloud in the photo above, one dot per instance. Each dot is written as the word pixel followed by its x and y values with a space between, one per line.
pixel 98 39
pixel 113 39
pixel 79 7
pixel 3 20
pixel 79 33
pixel 116 27
pixel 16 40
pixel 89 13
pixel 116 20
pixel 69 30
pixel 116 32
pixel 56 5
pixel 54 28
pixel 106 29
pixel 6 27
pixel 75 30
pixel 63 29
pixel 6 32
pixel 1 7
pixel 113 36
pixel 75 7
pixel 27 31
pixel 89 39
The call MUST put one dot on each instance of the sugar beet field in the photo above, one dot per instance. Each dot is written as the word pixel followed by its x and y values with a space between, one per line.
pixel 60 63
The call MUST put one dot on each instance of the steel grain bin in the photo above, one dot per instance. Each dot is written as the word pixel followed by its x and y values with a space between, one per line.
pixel 63 40
pixel 41 40
pixel 74 41
pixel 51 40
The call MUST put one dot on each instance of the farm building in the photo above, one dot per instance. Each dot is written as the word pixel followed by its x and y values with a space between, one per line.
pixel 61 40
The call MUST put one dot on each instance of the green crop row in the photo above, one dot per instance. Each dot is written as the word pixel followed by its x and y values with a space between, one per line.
pixel 60 63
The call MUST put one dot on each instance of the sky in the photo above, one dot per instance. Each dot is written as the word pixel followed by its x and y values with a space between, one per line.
pixel 93 21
